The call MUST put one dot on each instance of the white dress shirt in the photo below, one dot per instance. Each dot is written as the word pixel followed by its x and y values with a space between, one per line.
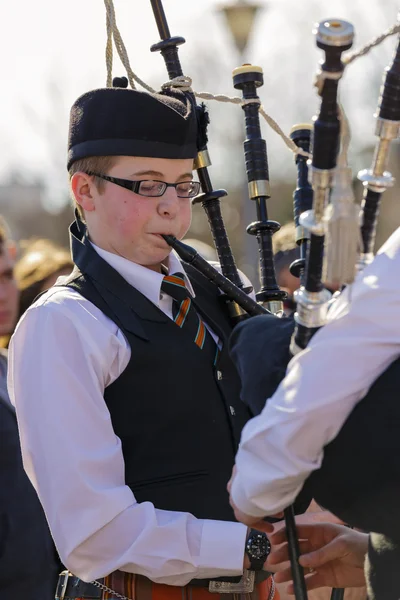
pixel 284 444
pixel 63 355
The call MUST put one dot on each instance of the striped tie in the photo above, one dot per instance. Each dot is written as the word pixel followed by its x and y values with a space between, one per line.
pixel 185 314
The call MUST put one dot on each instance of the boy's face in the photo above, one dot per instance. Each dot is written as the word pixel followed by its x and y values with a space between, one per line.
pixel 128 224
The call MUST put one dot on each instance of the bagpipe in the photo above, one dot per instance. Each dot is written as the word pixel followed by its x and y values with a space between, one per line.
pixel 336 240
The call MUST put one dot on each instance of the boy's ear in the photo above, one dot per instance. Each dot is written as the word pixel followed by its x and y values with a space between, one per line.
pixel 83 189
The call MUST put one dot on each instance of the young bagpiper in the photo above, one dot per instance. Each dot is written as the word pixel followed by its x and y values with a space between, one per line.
pixel 127 401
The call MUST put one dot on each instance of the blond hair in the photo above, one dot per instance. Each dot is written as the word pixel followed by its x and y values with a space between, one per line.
pixel 96 164
pixel 5 234
pixel 285 239
pixel 40 260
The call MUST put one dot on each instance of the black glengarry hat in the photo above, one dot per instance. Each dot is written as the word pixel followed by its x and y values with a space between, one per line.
pixel 125 122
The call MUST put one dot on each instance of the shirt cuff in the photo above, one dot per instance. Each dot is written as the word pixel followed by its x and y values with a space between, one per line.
pixel 240 500
pixel 222 549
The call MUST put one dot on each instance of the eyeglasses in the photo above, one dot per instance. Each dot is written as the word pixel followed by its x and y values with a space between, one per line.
pixel 151 188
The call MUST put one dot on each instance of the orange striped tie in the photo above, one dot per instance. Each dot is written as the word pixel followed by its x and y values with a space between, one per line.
pixel 184 312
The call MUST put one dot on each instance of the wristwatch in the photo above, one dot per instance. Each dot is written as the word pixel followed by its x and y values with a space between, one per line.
pixel 258 548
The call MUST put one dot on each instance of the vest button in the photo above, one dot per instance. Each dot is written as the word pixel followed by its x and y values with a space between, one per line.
pixel 219 375
pixel 233 411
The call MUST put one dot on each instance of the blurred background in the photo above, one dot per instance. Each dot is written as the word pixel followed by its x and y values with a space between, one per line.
pixel 51 52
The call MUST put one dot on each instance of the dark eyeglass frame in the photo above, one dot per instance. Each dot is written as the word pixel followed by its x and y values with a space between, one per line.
pixel 134 186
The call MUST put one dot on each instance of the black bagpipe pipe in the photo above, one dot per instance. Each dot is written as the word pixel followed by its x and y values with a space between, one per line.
pixel 239 302
pixel 359 476
pixel 209 198
pixel 377 179
pixel 234 293
pixel 269 298
pixel 248 78
pixel 272 338
pixel 269 339
pixel 312 298
pixel 302 198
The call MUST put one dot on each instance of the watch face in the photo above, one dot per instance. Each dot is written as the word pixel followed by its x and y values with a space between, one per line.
pixel 258 546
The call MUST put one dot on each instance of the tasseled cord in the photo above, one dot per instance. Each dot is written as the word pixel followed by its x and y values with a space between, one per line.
pixel 342 222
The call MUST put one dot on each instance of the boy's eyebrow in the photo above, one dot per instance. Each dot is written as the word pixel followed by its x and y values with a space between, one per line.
pixel 160 175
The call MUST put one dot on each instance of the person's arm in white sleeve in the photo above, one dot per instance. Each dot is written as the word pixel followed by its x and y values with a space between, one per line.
pixel 60 358
pixel 284 444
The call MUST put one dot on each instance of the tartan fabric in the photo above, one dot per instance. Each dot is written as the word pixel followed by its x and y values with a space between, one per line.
pixel 185 315
pixel 136 587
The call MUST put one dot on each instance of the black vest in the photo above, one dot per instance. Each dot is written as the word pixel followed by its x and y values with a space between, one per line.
pixel 178 416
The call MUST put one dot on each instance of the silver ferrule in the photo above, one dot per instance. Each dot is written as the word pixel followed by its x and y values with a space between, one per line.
pixel 274 306
pixel 377 178
pixel 302 233
pixel 258 188
pixel 312 307
pixel 374 182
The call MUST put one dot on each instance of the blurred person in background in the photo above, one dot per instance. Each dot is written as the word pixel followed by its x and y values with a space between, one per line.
pixel 8 288
pixel 285 252
pixel 28 563
pixel 41 264
pixel 39 267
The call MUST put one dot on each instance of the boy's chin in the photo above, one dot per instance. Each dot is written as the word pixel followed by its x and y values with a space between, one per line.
pixel 157 258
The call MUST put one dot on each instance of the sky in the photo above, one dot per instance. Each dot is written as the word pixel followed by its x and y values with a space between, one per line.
pixel 51 51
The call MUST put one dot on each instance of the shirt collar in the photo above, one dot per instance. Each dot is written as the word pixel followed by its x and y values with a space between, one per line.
pixel 146 281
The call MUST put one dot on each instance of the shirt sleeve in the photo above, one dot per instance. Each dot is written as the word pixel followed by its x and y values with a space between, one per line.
pixel 61 357
pixel 284 444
